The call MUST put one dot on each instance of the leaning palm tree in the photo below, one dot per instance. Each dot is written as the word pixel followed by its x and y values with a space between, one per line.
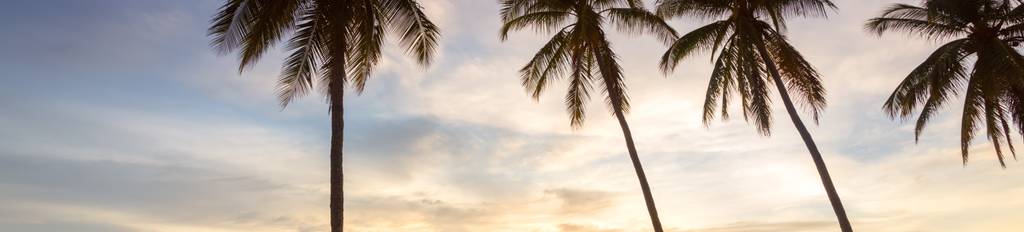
pixel 752 55
pixel 987 31
pixel 339 41
pixel 580 49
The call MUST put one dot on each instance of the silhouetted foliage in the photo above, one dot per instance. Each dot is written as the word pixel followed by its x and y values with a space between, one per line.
pixel 979 58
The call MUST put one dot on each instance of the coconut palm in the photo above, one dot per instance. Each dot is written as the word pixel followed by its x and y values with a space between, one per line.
pixel 984 32
pixel 339 41
pixel 580 51
pixel 752 55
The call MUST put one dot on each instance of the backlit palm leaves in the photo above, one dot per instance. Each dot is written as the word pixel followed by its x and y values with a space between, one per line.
pixel 739 67
pixel 579 47
pixel 580 52
pixel 984 32
pixel 339 41
pixel 324 33
pixel 753 56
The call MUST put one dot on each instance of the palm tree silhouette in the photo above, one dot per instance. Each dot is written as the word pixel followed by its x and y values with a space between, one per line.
pixel 339 41
pixel 747 35
pixel 581 50
pixel 988 31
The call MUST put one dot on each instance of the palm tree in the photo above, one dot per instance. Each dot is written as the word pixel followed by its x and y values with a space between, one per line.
pixel 988 31
pixel 339 41
pixel 581 50
pixel 747 35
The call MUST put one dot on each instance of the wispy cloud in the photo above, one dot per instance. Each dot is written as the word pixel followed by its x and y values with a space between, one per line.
pixel 126 121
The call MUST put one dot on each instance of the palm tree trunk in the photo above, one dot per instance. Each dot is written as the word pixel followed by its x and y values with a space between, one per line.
pixel 336 90
pixel 337 174
pixel 646 188
pixel 819 163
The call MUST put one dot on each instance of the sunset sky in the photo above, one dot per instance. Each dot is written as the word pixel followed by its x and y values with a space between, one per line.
pixel 116 115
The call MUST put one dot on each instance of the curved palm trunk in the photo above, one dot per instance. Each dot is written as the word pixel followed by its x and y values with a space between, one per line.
pixel 653 211
pixel 819 163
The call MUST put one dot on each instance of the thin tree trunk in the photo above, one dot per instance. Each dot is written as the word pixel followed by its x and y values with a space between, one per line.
pixel 337 141
pixel 336 93
pixel 336 90
pixel 653 211
pixel 819 163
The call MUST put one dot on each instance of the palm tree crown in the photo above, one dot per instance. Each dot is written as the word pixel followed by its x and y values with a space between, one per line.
pixel 740 28
pixel 327 37
pixel 579 47
pixel 987 31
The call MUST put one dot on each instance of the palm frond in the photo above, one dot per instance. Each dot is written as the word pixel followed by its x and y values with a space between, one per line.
pixel 972 113
pixel 1007 135
pixel 635 3
pixel 979 104
pixel 993 123
pixel 1016 14
pixel 719 86
pixel 514 8
pixel 605 4
pixel 927 29
pixel 705 9
pixel 999 70
pixel 542 22
pixel 299 68
pixel 612 80
pixel 799 75
pixel 415 31
pixel 1015 99
pixel 944 63
pixel 906 11
pixel 777 16
pixel 230 24
pixel 803 8
pixel 1013 32
pixel 640 21
pixel 705 38
pixel 759 107
pixel 511 9
pixel 945 74
pixel 549 62
pixel 579 88
pixel 364 50
pixel 270 21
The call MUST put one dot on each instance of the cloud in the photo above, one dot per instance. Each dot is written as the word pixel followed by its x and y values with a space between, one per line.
pixel 160 134
pixel 64 226
pixel 771 227
pixel 583 202
pixel 583 228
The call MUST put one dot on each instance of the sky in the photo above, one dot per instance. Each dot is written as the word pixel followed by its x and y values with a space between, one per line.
pixel 116 115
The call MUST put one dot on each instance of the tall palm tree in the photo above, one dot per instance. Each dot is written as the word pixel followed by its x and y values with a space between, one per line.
pixel 747 35
pixel 987 31
pixel 339 41
pixel 580 49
